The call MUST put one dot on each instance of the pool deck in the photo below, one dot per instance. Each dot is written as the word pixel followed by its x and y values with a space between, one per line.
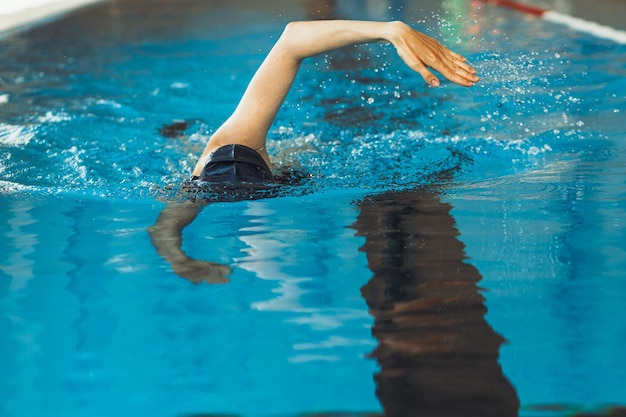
pixel 19 15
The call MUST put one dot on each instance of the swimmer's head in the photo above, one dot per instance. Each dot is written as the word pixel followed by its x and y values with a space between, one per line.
pixel 237 173
pixel 232 173
pixel 236 164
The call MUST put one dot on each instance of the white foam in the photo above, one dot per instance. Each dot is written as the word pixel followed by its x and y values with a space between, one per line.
pixel 7 187
pixel 582 25
pixel 15 135
pixel 178 85
pixel 51 117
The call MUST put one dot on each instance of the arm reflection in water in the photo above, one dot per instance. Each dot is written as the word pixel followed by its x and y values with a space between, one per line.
pixel 166 236
pixel 437 354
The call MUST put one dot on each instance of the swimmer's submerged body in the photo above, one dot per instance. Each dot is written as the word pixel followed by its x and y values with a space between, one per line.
pixel 236 153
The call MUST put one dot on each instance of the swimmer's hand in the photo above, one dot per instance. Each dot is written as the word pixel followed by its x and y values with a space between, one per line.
pixel 421 52
pixel 201 271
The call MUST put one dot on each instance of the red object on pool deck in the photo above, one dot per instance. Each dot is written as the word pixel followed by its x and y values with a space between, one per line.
pixel 572 22
pixel 520 7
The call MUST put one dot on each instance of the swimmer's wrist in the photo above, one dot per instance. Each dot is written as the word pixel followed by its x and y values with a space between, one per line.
pixel 395 30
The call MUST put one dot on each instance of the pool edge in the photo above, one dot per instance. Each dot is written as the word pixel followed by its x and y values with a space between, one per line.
pixel 30 17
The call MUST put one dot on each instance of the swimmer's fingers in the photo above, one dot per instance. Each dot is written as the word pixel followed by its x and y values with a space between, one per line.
pixel 421 52
pixel 441 60
pixel 418 66
pixel 457 71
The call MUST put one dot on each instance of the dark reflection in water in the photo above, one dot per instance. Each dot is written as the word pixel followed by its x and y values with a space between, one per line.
pixel 437 354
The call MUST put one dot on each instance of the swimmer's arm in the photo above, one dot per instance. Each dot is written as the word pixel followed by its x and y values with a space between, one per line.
pixel 255 113
pixel 419 51
pixel 166 236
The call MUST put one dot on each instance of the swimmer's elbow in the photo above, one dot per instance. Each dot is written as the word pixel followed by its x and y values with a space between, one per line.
pixel 291 39
pixel 292 30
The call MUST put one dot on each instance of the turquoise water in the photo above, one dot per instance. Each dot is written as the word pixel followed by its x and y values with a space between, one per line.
pixel 456 252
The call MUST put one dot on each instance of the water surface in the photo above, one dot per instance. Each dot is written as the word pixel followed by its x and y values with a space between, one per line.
pixel 457 251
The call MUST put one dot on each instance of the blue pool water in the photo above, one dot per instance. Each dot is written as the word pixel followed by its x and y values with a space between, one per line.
pixel 455 251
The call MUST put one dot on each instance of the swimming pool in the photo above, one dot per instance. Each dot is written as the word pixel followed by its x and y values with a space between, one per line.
pixel 455 252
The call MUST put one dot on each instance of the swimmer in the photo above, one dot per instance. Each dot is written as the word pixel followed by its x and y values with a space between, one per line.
pixel 237 153
pixel 246 129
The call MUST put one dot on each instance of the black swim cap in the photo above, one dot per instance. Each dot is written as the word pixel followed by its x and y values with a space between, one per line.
pixel 236 173
pixel 236 163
